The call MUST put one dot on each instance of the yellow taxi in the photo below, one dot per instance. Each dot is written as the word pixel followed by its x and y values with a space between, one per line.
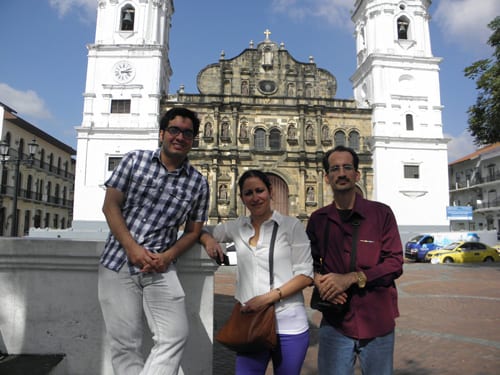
pixel 463 252
pixel 497 246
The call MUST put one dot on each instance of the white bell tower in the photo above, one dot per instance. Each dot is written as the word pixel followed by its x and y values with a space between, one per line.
pixel 398 77
pixel 128 73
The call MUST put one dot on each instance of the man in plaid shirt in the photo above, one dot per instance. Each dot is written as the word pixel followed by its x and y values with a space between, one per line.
pixel 149 196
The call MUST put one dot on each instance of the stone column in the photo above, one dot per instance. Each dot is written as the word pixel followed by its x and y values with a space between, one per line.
pixel 214 187
pixel 234 191
pixel 321 183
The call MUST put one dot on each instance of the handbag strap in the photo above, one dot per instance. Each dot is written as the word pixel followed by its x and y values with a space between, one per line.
pixel 271 255
pixel 354 248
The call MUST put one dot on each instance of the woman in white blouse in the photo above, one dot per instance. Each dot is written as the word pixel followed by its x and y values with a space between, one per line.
pixel 293 271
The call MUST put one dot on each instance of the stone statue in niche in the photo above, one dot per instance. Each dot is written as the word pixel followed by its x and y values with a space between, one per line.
pixel 243 130
pixel 309 133
pixel 223 192
pixel 225 130
pixel 292 132
pixel 244 88
pixel 291 89
pixel 208 130
pixel 310 194
pixel 324 133
pixel 309 92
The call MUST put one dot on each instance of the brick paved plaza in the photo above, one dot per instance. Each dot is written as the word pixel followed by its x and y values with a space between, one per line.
pixel 449 323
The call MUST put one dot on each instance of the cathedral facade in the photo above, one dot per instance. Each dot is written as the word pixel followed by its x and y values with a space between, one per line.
pixel 265 110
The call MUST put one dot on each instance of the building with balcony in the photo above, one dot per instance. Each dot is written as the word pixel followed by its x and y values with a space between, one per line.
pixel 45 181
pixel 475 181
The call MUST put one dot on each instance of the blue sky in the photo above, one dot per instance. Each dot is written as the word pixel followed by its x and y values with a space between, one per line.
pixel 44 57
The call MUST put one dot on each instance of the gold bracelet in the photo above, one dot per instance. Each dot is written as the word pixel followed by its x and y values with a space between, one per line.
pixel 280 294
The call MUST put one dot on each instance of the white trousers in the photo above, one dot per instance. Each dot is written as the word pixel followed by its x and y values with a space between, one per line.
pixel 124 300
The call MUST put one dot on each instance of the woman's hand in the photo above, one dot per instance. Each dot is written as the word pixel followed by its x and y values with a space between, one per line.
pixel 339 299
pixel 257 303
pixel 212 247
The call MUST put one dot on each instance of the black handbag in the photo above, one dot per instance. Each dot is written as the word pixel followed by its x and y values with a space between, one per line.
pixel 326 306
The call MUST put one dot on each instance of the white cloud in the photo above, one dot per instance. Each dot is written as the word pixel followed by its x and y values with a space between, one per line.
pixel 26 103
pixel 460 146
pixel 86 8
pixel 465 22
pixel 334 12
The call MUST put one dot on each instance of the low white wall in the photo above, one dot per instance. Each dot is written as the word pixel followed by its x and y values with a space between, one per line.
pixel 48 304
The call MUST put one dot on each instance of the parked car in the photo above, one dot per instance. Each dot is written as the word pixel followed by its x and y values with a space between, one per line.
pixel 463 252
pixel 417 247
pixel 497 246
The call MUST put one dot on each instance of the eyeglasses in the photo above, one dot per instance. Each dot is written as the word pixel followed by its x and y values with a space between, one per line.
pixel 186 133
pixel 345 167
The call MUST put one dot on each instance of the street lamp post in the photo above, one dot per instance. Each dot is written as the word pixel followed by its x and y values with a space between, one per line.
pixel 4 153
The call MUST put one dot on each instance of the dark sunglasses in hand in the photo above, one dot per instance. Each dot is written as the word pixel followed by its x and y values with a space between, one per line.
pixel 186 133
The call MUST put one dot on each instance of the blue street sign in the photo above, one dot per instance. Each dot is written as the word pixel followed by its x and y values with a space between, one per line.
pixel 459 212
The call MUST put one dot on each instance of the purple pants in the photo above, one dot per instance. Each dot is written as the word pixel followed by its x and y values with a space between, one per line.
pixel 287 358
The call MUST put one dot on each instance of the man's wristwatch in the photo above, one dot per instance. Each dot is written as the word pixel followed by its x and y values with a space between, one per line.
pixel 361 279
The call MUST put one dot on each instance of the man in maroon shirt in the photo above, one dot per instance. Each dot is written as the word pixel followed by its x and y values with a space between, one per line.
pixel 366 329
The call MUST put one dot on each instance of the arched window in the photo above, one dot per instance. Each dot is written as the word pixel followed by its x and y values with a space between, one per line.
pixel 2 220
pixel 37 219
pixel 59 165
pixel 64 195
pixel 260 139
pixel 127 18
pixel 27 218
pixel 21 149
pixel 51 161
pixel 39 190
pixel 56 194
pixel 42 158
pixel 339 138
pixel 20 184
pixel 403 25
pixel 354 140
pixel 7 138
pixel 49 191
pixel 29 187
pixel 3 186
pixel 275 139
pixel 409 122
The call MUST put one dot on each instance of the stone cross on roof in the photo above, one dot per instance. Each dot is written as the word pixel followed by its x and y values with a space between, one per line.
pixel 267 33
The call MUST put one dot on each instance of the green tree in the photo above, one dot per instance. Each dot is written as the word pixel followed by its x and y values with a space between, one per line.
pixel 484 116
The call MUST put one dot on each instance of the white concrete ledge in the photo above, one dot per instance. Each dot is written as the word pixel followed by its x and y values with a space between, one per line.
pixel 49 305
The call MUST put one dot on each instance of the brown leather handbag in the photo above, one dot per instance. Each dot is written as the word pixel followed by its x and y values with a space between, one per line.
pixel 253 331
